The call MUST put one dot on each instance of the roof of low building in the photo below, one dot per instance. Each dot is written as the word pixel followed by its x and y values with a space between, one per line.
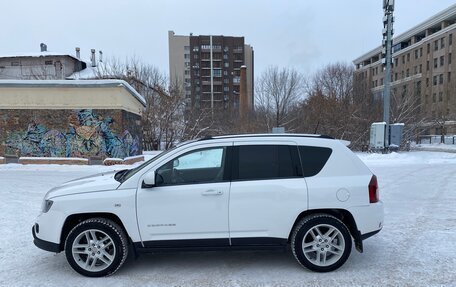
pixel 74 83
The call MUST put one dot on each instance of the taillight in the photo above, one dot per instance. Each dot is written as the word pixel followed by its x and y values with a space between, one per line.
pixel 373 190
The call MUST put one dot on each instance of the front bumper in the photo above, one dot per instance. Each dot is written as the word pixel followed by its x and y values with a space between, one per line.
pixel 45 245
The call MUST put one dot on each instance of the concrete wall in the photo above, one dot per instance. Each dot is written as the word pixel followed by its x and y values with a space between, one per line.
pixel 69 98
pixel 177 60
pixel 249 62
pixel 70 133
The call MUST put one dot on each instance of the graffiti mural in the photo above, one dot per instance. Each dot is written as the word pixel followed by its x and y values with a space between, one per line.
pixel 88 135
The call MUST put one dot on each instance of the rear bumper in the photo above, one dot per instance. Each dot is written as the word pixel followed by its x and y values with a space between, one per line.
pixel 367 235
pixel 45 245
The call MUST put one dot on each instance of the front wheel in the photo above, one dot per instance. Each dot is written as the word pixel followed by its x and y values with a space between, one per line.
pixel 96 247
pixel 321 243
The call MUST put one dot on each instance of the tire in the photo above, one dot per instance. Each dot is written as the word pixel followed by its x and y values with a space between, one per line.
pixel 321 243
pixel 96 247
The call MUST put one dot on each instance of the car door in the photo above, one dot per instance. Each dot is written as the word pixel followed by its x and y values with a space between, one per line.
pixel 267 193
pixel 188 206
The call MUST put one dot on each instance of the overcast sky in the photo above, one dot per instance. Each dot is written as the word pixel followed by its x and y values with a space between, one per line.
pixel 303 34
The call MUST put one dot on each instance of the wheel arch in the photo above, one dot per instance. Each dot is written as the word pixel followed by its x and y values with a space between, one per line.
pixel 343 215
pixel 74 219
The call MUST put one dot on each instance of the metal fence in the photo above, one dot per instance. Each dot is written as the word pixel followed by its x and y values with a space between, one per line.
pixel 436 139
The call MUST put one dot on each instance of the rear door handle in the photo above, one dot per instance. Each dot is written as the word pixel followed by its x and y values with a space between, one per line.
pixel 212 192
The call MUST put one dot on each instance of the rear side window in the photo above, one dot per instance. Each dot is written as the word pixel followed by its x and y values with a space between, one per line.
pixel 313 159
pixel 256 162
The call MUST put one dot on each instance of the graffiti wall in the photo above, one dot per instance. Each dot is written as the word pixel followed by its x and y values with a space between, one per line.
pixel 71 133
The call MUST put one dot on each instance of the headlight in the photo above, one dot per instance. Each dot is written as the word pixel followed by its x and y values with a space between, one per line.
pixel 46 205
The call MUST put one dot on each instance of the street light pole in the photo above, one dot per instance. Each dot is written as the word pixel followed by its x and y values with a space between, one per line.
pixel 388 7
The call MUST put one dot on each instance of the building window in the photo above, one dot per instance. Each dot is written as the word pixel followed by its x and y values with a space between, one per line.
pixel 435 62
pixel 416 70
pixel 226 89
pixel 427 65
pixel 381 82
pixel 225 73
pixel 434 97
pixel 403 59
pixel 402 74
pixel 441 79
pixel 195 56
pixel 408 73
pixel 427 82
pixel 420 70
pixel 442 43
pixel 428 48
pixel 226 81
pixel 408 57
pixel 395 76
pixel 187 48
pixel 449 58
pixel 440 96
pixel 48 62
pixel 442 61
pixel 416 54
pixel 226 65
pixel 434 80
pixel 396 62
pixel 217 73
pixel 15 64
pixel 436 45
pixel 421 52
pixel 186 56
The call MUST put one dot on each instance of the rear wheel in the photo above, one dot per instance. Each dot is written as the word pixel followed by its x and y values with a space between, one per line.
pixel 96 247
pixel 321 243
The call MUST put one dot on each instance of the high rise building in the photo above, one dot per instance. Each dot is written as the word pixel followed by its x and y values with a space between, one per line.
pixel 209 67
pixel 422 67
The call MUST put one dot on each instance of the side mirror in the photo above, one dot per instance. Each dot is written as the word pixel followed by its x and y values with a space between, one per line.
pixel 149 180
pixel 175 163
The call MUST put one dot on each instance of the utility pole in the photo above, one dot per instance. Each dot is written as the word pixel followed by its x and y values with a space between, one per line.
pixel 388 8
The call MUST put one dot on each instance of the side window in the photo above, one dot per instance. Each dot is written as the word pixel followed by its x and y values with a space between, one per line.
pixel 313 159
pixel 255 162
pixel 200 166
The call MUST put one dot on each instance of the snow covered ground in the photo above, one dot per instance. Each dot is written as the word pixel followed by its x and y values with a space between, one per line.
pixel 417 246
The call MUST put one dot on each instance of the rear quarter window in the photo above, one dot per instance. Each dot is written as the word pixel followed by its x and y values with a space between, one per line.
pixel 313 159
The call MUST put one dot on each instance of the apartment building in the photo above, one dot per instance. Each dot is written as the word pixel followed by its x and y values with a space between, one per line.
pixel 423 66
pixel 209 67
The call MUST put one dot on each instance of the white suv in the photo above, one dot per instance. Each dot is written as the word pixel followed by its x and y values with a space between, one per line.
pixel 308 192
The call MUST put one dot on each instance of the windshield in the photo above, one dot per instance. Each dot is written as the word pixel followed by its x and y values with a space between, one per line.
pixel 125 174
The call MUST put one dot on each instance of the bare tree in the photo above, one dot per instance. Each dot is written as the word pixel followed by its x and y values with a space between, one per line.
pixel 168 118
pixel 277 93
pixel 336 107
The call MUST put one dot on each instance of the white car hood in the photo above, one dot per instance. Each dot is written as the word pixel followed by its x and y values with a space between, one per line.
pixel 97 182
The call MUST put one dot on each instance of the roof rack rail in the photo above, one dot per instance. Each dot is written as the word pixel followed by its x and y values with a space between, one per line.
pixel 265 135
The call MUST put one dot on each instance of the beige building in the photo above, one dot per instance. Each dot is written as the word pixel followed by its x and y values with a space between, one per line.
pixel 93 119
pixel 423 66
pixel 210 67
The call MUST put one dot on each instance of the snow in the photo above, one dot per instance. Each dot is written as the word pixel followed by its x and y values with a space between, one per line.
pixel 38 54
pixel 417 246
pixel 54 158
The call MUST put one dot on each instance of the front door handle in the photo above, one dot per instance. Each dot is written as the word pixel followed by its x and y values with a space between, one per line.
pixel 212 192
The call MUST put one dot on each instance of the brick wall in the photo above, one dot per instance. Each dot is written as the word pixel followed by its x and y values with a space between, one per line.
pixel 70 133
